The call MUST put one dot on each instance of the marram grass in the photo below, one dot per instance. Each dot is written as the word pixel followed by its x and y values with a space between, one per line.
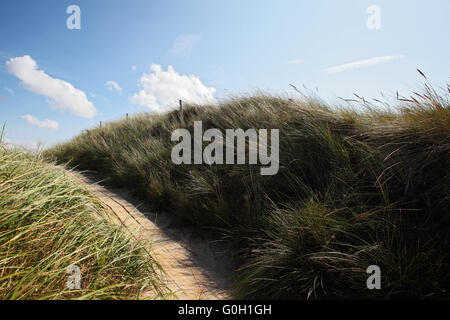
pixel 356 187
pixel 49 222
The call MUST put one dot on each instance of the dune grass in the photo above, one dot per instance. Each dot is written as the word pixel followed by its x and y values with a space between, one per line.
pixel 356 187
pixel 49 222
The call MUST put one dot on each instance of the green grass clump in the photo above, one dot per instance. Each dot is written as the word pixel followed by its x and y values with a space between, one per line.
pixel 355 188
pixel 49 222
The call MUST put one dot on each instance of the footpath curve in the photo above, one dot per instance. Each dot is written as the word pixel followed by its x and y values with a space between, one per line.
pixel 191 269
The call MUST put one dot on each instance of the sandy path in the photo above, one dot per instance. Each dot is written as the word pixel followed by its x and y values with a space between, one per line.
pixel 192 269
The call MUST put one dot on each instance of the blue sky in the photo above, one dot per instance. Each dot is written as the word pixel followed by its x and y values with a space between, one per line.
pixel 55 82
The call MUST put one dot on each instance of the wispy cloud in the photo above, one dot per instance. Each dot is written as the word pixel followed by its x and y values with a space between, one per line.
pixel 295 61
pixel 184 45
pixel 363 63
pixel 47 124
pixel 61 94
pixel 113 86
pixel 134 68
pixel 9 91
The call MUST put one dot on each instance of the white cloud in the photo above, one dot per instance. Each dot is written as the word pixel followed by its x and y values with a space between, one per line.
pixel 29 145
pixel 161 90
pixel 113 86
pixel 295 61
pixel 60 94
pixel 48 124
pixel 134 68
pixel 184 45
pixel 362 63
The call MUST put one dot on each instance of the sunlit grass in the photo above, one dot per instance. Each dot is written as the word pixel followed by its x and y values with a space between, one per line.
pixel 49 222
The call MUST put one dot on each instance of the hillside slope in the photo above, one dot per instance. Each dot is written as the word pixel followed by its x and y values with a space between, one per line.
pixel 354 189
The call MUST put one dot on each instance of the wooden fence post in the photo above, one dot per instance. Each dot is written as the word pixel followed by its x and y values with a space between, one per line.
pixel 181 110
